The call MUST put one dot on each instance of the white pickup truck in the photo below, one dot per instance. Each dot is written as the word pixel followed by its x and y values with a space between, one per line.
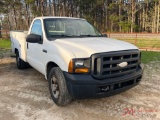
pixel 76 59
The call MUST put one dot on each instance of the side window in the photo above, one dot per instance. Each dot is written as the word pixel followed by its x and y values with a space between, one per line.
pixel 36 28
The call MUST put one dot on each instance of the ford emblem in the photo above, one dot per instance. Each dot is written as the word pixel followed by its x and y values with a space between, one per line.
pixel 123 64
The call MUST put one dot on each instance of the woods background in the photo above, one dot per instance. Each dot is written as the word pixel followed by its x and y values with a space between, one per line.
pixel 107 15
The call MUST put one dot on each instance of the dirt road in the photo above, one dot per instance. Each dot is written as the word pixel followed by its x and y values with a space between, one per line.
pixel 24 95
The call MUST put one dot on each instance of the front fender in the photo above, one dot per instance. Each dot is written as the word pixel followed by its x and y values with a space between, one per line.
pixel 62 58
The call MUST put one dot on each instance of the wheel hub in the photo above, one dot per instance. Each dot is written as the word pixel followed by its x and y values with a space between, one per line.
pixel 55 88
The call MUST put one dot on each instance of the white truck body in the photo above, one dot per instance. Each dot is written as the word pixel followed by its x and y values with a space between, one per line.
pixel 62 50
pixel 18 39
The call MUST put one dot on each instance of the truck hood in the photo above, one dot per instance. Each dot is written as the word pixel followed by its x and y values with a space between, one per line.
pixel 85 47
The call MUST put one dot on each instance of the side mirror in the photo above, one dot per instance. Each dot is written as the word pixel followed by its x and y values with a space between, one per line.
pixel 32 38
pixel 105 35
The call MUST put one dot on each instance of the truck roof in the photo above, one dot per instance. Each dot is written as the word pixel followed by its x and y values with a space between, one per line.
pixel 45 17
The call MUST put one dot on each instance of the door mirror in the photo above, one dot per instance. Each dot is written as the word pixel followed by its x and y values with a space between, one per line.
pixel 105 35
pixel 32 38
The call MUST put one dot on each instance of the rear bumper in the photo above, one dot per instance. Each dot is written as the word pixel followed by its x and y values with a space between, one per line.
pixel 85 86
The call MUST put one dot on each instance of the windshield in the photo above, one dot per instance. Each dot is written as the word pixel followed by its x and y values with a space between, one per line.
pixel 59 27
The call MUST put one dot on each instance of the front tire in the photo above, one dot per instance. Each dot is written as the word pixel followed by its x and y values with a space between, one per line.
pixel 20 63
pixel 58 88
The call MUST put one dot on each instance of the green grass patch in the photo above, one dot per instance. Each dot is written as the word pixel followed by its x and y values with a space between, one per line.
pixel 143 42
pixel 148 56
pixel 5 44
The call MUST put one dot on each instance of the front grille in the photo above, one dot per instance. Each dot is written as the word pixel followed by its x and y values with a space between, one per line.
pixel 105 65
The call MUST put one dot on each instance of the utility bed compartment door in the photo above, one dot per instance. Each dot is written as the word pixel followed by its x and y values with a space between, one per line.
pixel 18 39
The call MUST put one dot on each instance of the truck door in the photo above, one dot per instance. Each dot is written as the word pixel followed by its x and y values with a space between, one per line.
pixel 34 50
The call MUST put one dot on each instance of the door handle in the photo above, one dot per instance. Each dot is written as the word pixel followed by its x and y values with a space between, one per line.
pixel 45 51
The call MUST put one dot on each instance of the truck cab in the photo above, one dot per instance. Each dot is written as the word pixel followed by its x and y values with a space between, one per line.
pixel 77 60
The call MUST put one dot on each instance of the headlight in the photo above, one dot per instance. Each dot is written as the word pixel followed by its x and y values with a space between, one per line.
pixel 79 65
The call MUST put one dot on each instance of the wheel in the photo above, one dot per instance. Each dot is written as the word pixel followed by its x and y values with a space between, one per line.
pixel 20 63
pixel 58 88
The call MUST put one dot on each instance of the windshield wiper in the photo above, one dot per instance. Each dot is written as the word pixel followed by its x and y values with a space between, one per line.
pixel 90 35
pixel 62 36
pixel 71 36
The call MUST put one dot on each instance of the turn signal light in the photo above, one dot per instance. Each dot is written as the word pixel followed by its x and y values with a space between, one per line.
pixel 70 67
pixel 81 70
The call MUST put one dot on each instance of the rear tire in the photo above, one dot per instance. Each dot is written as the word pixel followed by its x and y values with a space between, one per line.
pixel 20 63
pixel 58 88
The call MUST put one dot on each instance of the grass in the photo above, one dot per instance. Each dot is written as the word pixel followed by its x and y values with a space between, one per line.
pixel 5 44
pixel 143 43
pixel 149 56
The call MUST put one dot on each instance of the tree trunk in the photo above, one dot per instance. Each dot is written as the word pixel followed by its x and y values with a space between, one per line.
pixel 0 32
pixel 15 19
pixel 106 10
pixel 146 17
pixel 9 24
pixel 71 8
pixel 58 8
pixel 53 8
pixel 132 18
pixel 64 7
pixel 50 8
pixel 157 18
pixel 0 26
pixel 155 12
pixel 143 21
pixel 27 16
pixel 42 7
pixel 120 12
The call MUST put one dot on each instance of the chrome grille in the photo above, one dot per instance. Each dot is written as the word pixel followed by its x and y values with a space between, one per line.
pixel 105 65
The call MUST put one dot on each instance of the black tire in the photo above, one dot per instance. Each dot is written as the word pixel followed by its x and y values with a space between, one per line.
pixel 20 63
pixel 58 88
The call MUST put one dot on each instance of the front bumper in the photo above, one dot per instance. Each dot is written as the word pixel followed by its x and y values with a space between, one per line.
pixel 85 86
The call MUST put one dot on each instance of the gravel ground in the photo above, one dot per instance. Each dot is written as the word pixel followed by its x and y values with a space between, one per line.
pixel 24 95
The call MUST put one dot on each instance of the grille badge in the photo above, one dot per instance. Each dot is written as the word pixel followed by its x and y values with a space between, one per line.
pixel 123 64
